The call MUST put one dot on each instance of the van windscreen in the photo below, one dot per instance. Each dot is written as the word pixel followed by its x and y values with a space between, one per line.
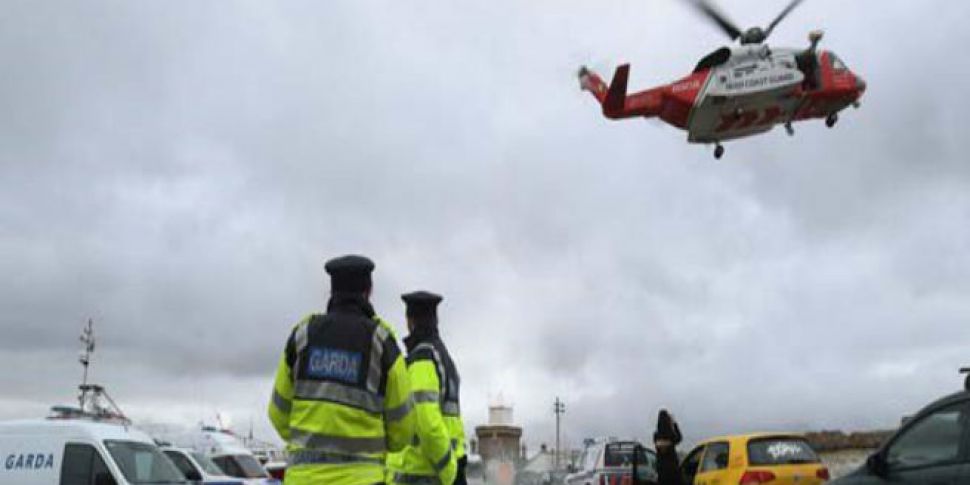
pixel 206 463
pixel 240 466
pixel 142 463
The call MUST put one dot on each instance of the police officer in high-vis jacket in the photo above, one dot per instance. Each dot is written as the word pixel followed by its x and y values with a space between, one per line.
pixel 433 457
pixel 341 399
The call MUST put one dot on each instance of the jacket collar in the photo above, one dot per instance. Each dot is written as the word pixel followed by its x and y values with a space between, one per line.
pixel 350 303
pixel 425 330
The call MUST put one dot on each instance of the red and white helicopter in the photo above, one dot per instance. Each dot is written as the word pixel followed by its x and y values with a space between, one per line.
pixel 741 91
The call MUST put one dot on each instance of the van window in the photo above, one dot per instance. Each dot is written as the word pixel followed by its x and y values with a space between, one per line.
pixel 81 465
pixel 142 462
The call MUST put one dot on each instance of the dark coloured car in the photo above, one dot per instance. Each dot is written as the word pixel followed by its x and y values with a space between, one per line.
pixel 932 447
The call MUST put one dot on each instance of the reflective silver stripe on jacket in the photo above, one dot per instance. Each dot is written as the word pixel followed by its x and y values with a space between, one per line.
pixel 374 372
pixel 281 403
pixel 410 479
pixel 424 396
pixel 339 444
pixel 339 393
pixel 443 462
pixel 450 408
pixel 438 363
pixel 300 337
pixel 454 444
pixel 320 457
pixel 398 413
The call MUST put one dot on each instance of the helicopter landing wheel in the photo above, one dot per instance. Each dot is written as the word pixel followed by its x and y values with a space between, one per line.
pixel 718 151
pixel 831 120
pixel 789 129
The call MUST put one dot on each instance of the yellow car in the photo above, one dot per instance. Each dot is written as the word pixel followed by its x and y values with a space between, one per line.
pixel 752 459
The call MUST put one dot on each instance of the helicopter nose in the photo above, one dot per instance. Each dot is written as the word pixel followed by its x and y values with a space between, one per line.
pixel 860 84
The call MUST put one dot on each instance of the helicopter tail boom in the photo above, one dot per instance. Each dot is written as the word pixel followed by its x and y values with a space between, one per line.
pixel 614 99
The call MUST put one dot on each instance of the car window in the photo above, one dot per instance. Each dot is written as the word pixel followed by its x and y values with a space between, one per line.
pixel 592 453
pixel 81 465
pixel 621 454
pixel 934 439
pixel 689 468
pixel 781 450
pixel 715 457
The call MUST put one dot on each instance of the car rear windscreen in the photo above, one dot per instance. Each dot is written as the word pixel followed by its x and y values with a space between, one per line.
pixel 780 451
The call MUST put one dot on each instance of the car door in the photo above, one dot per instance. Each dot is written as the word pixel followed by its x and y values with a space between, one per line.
pixel 713 464
pixel 691 464
pixel 932 450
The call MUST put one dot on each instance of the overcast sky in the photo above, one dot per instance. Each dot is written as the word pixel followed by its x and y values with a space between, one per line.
pixel 180 171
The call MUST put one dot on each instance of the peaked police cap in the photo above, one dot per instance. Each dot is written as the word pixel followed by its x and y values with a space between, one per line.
pixel 350 273
pixel 421 303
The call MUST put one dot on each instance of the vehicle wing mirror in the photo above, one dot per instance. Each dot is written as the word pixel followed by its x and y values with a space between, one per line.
pixel 104 478
pixel 193 475
pixel 876 464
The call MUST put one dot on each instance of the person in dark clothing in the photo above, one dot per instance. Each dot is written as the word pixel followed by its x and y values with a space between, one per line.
pixel 665 441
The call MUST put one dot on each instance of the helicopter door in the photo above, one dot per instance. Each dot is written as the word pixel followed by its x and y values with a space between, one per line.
pixel 808 63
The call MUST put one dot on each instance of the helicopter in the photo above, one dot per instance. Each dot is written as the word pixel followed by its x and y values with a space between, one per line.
pixel 739 91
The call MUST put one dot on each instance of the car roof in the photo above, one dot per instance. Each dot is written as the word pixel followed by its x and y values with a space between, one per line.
pixel 751 436
pixel 946 400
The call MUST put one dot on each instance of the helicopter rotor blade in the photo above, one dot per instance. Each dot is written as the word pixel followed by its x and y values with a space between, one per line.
pixel 715 15
pixel 784 13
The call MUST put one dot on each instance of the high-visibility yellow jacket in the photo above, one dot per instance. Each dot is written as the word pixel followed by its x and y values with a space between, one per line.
pixel 432 457
pixel 341 398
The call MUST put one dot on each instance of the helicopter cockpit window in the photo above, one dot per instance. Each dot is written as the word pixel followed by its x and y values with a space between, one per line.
pixel 714 59
pixel 837 63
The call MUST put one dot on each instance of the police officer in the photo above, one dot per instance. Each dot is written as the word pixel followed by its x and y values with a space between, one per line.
pixel 341 399
pixel 435 455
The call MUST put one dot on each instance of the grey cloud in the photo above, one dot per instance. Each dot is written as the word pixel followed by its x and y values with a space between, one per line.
pixel 180 171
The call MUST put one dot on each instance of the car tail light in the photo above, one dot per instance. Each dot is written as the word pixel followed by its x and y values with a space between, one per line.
pixel 756 477
pixel 822 473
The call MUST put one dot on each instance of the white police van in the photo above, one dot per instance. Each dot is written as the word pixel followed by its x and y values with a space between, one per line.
pixel 80 452
pixel 198 468
pixel 229 453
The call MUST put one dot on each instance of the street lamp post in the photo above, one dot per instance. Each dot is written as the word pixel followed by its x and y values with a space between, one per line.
pixel 559 408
